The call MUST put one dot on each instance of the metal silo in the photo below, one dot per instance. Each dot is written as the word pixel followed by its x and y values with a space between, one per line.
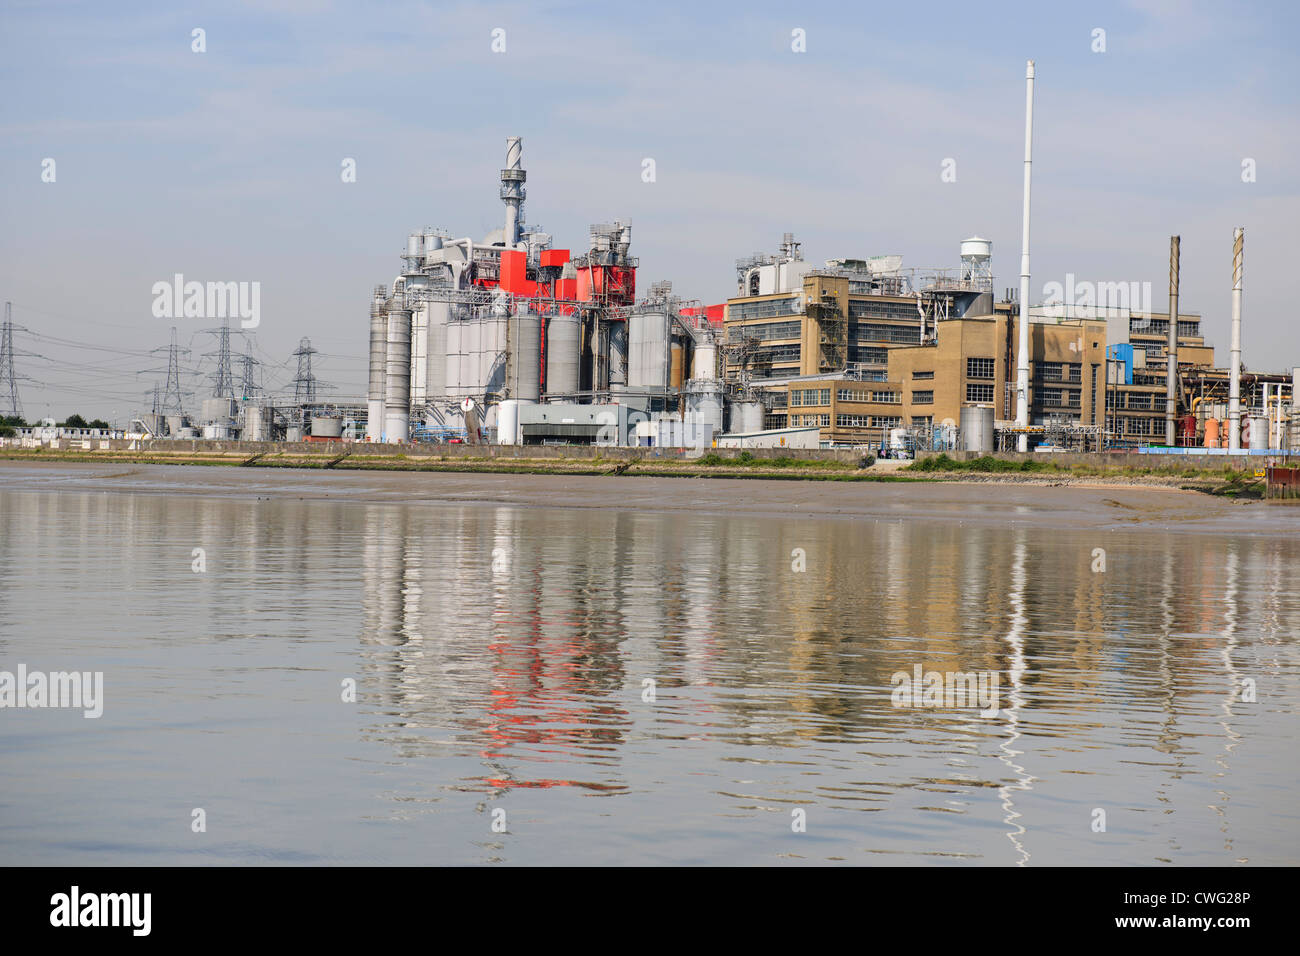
pixel 378 367
pixel 704 403
pixel 523 368
pixel 618 354
pixel 436 376
pixel 419 356
pixel 397 394
pixel 648 350
pixel 563 335
pixel 977 428
pixel 746 417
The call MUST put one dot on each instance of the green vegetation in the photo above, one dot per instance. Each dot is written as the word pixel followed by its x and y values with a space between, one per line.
pixel 987 464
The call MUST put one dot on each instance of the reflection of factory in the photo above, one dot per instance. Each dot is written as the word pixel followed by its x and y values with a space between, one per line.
pixel 509 339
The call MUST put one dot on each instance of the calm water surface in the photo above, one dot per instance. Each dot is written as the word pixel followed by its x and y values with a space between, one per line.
pixel 500 653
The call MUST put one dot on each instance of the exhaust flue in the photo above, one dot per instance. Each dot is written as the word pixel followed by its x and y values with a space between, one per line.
pixel 1171 380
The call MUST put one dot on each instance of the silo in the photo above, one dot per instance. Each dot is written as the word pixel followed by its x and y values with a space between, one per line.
pixel 419 356
pixel 454 375
pixel 648 350
pixel 704 403
pixel 563 334
pixel 508 423
pixel 378 366
pixel 705 363
pixel 977 428
pixel 618 354
pixel 436 376
pixel 1259 437
pixel 675 366
pixel 397 393
pixel 490 375
pixel 523 369
pixel 746 417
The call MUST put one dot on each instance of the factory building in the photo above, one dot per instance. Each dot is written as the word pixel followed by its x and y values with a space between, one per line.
pixel 508 339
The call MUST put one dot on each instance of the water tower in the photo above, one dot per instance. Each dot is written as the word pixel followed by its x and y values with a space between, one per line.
pixel 977 263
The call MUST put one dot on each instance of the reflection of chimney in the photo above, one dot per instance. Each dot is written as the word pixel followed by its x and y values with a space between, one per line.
pixel 512 189
pixel 1171 381
pixel 1234 383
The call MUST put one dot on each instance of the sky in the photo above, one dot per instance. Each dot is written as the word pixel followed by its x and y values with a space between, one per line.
pixel 227 164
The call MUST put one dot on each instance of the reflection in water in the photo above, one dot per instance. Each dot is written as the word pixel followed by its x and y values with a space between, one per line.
pixel 1016 668
pixel 502 653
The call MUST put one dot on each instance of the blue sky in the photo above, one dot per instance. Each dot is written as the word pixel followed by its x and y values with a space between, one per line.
pixel 225 165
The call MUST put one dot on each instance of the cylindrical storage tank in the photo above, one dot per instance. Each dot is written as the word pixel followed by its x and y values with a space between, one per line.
pixel 414 245
pixel 454 375
pixel 746 417
pixel 648 350
pixel 1259 437
pixel 419 356
pixel 977 428
pixel 617 354
pixel 491 339
pixel 705 363
pixel 186 432
pixel 254 428
pixel 436 376
pixel 675 367
pixel 508 422
pixel 523 366
pixel 293 433
pixel 326 427
pixel 704 403
pixel 397 375
pixel 378 365
pixel 1187 430
pixel 1211 433
pixel 563 334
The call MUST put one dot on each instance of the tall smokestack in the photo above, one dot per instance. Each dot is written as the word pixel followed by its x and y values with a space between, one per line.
pixel 1171 379
pixel 1234 383
pixel 1022 352
pixel 512 188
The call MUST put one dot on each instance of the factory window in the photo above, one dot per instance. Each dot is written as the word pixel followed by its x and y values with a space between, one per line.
pixel 853 395
pixel 923 398
pixel 923 421
pixel 898 334
pixel 877 309
pixel 891 397
pixel 796 398
pixel 888 421
pixel 920 375
pixel 1060 371
pixel 979 393
pixel 764 331
pixel 979 368
pixel 766 309
pixel 1058 397
pixel 779 353
pixel 868 355
pixel 1092 401
pixel 809 421
pixel 852 421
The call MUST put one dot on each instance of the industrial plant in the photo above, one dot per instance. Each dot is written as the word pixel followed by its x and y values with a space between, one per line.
pixel 508 339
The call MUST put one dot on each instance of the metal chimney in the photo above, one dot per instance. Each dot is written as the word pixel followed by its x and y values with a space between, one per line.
pixel 512 189
pixel 1022 352
pixel 1171 378
pixel 1234 383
